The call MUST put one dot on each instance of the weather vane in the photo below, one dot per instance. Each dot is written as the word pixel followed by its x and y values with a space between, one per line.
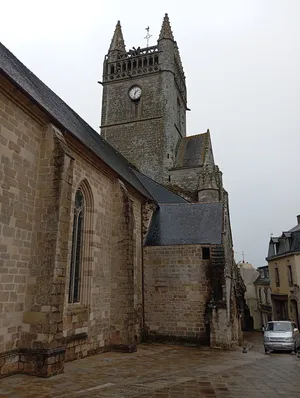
pixel 147 37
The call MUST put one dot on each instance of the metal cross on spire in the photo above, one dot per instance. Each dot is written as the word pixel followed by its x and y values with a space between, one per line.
pixel 147 37
pixel 243 254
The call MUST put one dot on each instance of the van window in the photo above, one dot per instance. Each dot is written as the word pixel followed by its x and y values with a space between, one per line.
pixel 279 327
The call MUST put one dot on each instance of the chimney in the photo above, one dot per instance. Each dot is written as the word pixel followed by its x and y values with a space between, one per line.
pixel 298 219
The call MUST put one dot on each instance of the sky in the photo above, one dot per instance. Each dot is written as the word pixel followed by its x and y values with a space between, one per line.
pixel 241 60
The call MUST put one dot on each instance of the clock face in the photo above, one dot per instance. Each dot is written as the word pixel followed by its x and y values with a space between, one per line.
pixel 135 92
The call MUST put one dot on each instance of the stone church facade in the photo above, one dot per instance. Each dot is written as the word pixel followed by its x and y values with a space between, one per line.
pixel 113 239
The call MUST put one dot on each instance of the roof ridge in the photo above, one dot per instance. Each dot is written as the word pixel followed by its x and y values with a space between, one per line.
pixel 191 203
pixel 80 119
pixel 195 135
pixel 48 88
pixel 159 185
pixel 65 116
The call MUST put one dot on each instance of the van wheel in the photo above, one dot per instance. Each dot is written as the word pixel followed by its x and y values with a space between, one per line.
pixel 267 351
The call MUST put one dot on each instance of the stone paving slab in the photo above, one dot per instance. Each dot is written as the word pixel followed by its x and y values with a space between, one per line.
pixel 158 370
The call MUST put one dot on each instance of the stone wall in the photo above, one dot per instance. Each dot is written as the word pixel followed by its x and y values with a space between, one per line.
pixel 41 170
pixel 225 325
pixel 177 290
pixel 35 222
pixel 185 181
pixel 86 324
pixel 114 219
pixel 42 342
pixel 141 143
pixel 200 184
pixel 20 140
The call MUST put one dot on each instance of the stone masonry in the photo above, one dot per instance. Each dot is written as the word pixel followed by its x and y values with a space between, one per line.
pixel 20 137
pixel 40 173
pixel 177 290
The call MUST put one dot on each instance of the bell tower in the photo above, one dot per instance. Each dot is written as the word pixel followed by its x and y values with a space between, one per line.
pixel 144 102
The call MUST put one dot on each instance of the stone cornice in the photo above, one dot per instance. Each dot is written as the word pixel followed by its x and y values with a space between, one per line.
pixel 16 95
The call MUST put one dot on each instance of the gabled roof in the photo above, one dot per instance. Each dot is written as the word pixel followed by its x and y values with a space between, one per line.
pixel 159 193
pixel 66 118
pixel 186 224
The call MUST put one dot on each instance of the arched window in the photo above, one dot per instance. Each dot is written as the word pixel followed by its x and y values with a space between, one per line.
pixel 76 251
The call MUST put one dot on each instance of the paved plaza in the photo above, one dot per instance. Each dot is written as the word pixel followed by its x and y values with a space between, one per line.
pixel 158 370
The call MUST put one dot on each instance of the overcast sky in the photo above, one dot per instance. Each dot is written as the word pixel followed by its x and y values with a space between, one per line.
pixel 242 63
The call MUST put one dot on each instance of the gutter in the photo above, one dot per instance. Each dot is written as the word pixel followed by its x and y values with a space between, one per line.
pixel 282 255
pixel 64 130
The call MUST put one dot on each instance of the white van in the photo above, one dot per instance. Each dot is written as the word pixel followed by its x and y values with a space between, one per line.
pixel 281 335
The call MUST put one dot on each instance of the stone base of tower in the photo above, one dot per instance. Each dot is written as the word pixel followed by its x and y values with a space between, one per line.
pixel 224 332
pixel 35 362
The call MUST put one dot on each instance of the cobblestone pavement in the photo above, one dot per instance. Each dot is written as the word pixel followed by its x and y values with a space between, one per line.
pixel 168 371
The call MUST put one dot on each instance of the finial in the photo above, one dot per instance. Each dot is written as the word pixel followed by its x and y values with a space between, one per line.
pixel 117 42
pixel 166 31
pixel 147 37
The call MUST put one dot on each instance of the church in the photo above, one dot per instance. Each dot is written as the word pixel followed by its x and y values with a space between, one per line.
pixel 109 240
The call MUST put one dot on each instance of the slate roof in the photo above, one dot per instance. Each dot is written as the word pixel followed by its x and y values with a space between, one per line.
pixel 284 245
pixel 64 116
pixel 186 223
pixel 262 281
pixel 158 192
pixel 296 228
pixel 191 151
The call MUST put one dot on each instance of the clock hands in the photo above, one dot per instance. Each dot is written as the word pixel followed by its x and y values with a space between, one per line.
pixel 135 92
